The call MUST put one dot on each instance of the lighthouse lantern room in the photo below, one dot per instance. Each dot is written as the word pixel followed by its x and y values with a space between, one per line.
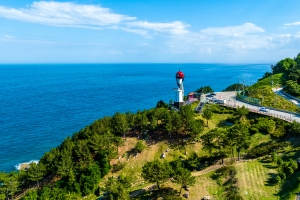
pixel 180 90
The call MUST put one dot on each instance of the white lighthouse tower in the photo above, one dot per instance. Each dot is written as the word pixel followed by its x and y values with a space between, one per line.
pixel 180 90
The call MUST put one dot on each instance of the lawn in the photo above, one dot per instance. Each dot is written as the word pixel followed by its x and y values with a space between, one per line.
pixel 255 180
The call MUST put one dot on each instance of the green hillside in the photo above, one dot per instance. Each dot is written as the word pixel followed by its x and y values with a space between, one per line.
pixel 164 154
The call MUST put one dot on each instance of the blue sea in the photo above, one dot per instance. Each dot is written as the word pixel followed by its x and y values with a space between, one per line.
pixel 41 104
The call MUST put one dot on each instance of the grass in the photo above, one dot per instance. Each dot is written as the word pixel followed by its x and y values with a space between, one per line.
pixel 204 185
pixel 262 90
pixel 276 78
pixel 255 180
pixel 259 138
pixel 217 121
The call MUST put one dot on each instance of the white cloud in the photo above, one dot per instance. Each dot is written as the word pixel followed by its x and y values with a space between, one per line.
pixel 136 31
pixel 297 35
pixel 8 36
pixel 176 27
pixel 64 13
pixel 292 24
pixel 68 14
pixel 247 28
pixel 244 38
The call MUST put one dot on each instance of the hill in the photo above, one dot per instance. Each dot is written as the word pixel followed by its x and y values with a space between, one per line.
pixel 164 154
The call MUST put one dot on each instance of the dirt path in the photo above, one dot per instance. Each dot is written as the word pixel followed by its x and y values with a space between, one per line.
pixel 206 170
pixel 196 173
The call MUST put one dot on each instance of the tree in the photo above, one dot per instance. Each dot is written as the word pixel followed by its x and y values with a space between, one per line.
pixel 36 172
pixel 65 164
pixel 116 189
pixel 292 88
pixel 139 146
pixel 234 87
pixel 153 123
pixel 162 104
pixel 274 157
pixel 187 115
pixel 31 195
pixel 119 123
pixel 205 90
pixel 284 65
pixel 50 160
pixel 231 141
pixel 196 128
pixel 242 138
pixel 294 128
pixel 193 161
pixel 242 112
pixel 141 120
pixel 167 125
pixel 118 141
pixel 297 59
pixel 9 184
pixel 215 140
pixel 90 178
pixel 207 114
pixel 184 178
pixel 82 153
pixel 294 73
pixel 156 172
pixel 176 122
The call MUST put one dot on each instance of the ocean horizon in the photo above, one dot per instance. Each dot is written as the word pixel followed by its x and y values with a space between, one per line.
pixel 42 104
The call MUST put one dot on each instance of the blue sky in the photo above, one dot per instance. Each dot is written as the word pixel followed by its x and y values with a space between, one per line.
pixel 156 31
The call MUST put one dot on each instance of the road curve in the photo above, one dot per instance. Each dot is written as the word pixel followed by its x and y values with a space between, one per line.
pixel 231 101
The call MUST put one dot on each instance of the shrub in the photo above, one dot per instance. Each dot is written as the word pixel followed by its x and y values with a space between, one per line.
pixel 267 149
pixel 118 166
pixel 266 125
pixel 253 130
pixel 139 146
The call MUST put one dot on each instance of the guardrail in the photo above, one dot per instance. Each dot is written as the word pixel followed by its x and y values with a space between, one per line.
pixel 262 113
pixel 281 110
pixel 290 96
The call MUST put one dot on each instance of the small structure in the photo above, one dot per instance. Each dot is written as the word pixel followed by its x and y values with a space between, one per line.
pixel 163 155
pixel 191 95
pixel 186 195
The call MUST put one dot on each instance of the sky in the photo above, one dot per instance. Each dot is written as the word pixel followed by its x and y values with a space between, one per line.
pixel 153 31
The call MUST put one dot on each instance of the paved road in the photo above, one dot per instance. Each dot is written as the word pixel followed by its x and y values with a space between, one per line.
pixel 279 92
pixel 230 98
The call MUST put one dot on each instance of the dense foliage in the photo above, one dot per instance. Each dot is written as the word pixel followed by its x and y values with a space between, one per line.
pixel 234 87
pixel 78 164
pixel 205 90
pixel 290 68
pixel 74 169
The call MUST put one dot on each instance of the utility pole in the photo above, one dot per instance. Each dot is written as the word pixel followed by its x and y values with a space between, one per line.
pixel 272 67
pixel 276 93
pixel 238 84
pixel 243 86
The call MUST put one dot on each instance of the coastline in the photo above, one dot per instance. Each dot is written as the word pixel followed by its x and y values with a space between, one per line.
pixel 25 165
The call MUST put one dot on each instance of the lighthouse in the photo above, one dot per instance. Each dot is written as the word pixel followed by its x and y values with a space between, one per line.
pixel 179 91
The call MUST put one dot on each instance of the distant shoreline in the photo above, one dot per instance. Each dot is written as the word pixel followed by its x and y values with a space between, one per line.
pixel 25 165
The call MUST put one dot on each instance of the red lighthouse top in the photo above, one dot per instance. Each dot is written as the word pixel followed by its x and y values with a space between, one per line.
pixel 179 75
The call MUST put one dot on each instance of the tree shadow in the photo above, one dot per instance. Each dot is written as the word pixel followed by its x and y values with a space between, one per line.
pixel 271 180
pixel 164 193
pixel 289 186
pixel 268 164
